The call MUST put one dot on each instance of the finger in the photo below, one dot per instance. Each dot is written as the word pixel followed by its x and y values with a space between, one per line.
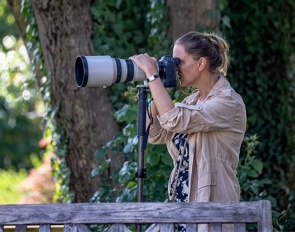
pixel 132 57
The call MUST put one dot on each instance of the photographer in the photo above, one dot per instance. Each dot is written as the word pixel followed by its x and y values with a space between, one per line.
pixel 204 132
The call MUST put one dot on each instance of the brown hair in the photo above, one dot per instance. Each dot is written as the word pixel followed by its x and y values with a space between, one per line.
pixel 207 45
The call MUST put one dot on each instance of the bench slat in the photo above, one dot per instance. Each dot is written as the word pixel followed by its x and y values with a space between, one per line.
pixel 240 227
pixel 118 228
pixel 89 213
pixel 44 228
pixel 166 227
pixel 191 227
pixel 75 215
pixel 216 227
pixel 265 216
pixel 70 228
pixel 76 228
pixel 20 228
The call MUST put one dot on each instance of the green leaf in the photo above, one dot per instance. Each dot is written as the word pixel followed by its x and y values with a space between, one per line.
pixel 257 165
pixel 166 158
pixel 252 173
pixel 97 171
pixel 121 114
pixel 100 154
pixel 154 159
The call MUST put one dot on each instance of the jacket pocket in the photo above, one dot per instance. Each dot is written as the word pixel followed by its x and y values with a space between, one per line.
pixel 207 179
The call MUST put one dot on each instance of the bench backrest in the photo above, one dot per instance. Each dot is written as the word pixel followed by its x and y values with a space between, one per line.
pixel 75 217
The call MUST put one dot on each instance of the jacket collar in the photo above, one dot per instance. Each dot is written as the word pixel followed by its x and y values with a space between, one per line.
pixel 220 85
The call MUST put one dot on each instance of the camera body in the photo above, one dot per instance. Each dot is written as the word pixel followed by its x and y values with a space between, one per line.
pixel 167 67
pixel 95 71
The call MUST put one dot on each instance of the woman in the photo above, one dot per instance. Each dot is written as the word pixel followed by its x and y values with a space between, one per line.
pixel 203 133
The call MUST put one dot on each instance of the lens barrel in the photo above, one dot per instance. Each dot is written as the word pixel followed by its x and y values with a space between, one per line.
pixel 94 71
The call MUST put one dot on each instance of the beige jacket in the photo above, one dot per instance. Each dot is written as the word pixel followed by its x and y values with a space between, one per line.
pixel 216 129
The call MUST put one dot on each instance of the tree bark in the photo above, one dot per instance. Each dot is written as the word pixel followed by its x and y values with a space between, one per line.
pixel 192 15
pixel 83 114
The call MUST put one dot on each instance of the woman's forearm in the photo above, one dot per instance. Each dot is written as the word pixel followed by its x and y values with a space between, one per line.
pixel 162 100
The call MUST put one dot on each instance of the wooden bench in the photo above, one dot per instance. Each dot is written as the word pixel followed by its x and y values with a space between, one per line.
pixel 75 217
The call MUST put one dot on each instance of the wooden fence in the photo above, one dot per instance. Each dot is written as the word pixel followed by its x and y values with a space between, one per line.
pixel 120 217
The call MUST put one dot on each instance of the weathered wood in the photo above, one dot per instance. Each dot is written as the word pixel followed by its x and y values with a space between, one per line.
pixel 88 213
pixel 166 227
pixel 240 227
pixel 191 228
pixel 217 227
pixel 118 228
pixel 265 216
pixel 76 228
pixel 70 228
pixel 21 228
pixel 44 228
pixel 164 215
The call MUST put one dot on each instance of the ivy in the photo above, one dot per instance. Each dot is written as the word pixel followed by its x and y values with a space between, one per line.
pixel 158 162
pixel 262 42
pixel 261 36
pixel 139 28
pixel 52 132
pixel 121 27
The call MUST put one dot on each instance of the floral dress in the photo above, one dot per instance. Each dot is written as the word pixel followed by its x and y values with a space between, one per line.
pixel 179 188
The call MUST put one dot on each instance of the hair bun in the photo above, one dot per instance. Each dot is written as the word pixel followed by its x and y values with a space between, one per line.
pixel 218 41
pixel 223 48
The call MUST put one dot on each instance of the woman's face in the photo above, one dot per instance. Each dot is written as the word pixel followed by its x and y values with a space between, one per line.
pixel 188 67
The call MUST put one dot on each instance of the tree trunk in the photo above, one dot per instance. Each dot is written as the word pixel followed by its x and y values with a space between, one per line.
pixel 191 15
pixel 83 114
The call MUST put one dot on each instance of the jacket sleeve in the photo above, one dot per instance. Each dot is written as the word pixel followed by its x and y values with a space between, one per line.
pixel 223 111
pixel 157 134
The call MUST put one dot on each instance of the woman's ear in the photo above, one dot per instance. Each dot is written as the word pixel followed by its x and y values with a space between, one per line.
pixel 202 63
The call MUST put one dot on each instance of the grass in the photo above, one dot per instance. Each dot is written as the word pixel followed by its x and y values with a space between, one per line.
pixel 9 181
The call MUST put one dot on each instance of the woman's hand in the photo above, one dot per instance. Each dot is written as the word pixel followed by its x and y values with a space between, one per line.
pixel 160 95
pixel 146 63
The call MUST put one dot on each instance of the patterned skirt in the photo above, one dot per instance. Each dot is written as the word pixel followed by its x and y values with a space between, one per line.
pixel 179 188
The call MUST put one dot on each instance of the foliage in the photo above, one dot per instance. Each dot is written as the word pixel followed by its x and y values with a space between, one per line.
pixel 8 26
pixel 10 179
pixel 51 132
pixel 250 168
pixel 115 38
pixel 20 105
pixel 262 40
pixel 157 163
pixel 259 69
pixel 261 35
pixel 128 27
pixel 250 177
pixel 137 34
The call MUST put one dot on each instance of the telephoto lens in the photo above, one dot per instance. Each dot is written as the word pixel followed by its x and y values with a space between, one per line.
pixel 95 71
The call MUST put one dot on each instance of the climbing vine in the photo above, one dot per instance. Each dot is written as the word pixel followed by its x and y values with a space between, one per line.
pixel 137 34
pixel 52 133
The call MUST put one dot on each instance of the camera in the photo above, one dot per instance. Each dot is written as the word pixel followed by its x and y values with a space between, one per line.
pixel 94 71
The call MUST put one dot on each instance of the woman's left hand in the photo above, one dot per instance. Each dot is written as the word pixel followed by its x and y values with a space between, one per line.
pixel 146 63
